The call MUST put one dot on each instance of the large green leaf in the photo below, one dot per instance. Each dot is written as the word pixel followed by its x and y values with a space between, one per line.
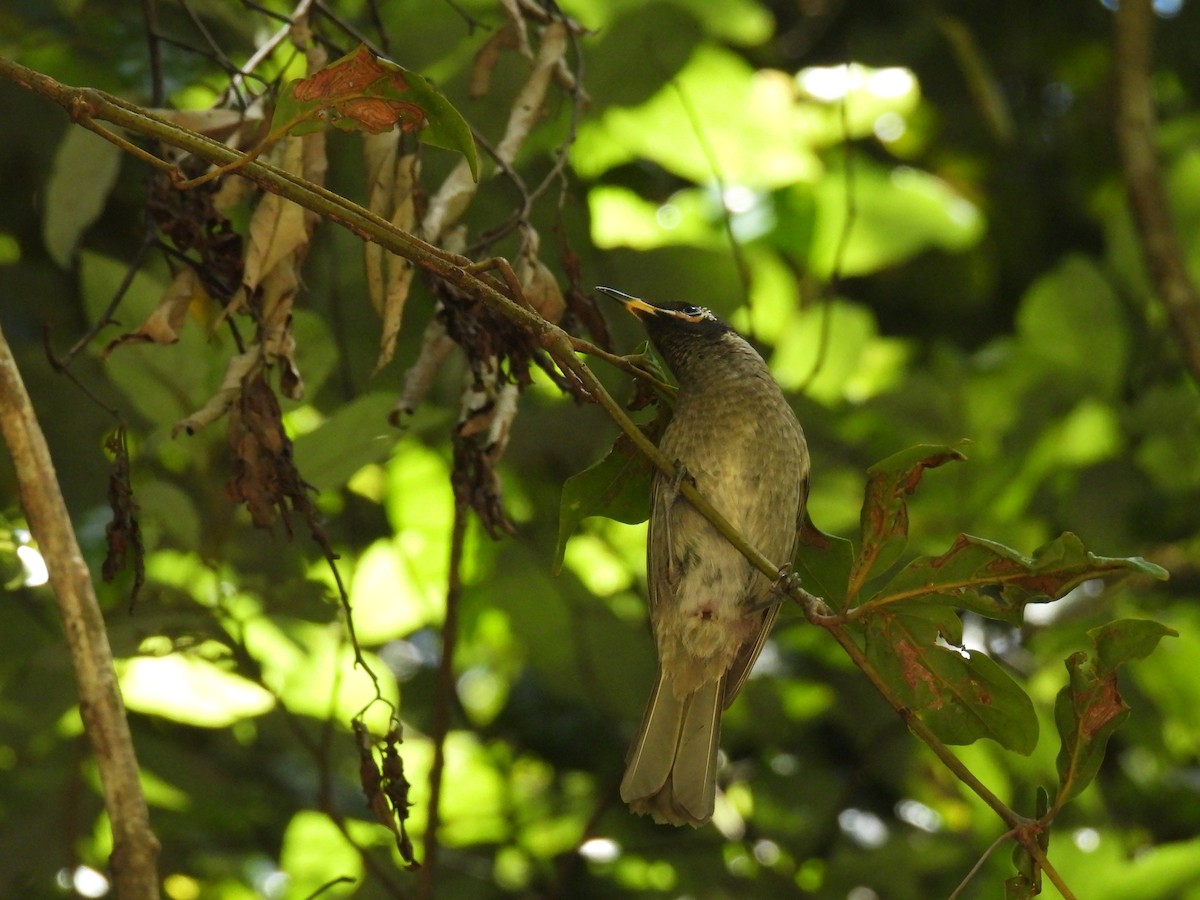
pixel 997 581
pixel 617 487
pixel 1090 708
pixel 357 434
pixel 961 695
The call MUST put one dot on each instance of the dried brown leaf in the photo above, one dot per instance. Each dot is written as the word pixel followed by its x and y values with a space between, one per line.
pixel 163 325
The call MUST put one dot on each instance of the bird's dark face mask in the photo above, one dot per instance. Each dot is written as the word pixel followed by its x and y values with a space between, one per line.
pixel 664 321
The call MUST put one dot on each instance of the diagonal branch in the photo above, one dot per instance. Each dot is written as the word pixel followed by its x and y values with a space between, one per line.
pixel 1136 130
pixel 135 848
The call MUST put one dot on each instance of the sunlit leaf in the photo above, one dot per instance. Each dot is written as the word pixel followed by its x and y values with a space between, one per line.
pixel 891 215
pixel 314 853
pixel 364 92
pixel 1090 708
pixel 717 107
pixel 387 602
pixel 997 581
pixel 961 695
pixel 355 435
pixel 191 690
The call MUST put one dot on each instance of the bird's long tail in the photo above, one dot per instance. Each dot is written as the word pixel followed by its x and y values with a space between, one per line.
pixel 671 770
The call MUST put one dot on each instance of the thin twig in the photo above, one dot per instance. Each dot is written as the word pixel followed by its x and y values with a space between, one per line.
pixel 444 699
pixel 1162 251
pixel 714 167
pixel 833 284
pixel 979 863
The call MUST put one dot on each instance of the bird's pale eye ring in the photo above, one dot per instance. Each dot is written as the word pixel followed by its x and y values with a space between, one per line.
pixel 694 312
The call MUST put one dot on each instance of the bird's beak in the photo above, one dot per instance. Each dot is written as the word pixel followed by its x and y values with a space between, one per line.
pixel 634 305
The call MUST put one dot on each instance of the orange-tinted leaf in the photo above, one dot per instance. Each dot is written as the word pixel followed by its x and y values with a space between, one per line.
pixel 997 581
pixel 884 517
pixel 362 92
pixel 1090 708
pixel 961 695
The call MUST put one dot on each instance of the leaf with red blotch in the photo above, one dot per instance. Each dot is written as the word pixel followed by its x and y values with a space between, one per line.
pixel 960 695
pixel 998 582
pixel 884 518
pixel 1090 708
pixel 363 92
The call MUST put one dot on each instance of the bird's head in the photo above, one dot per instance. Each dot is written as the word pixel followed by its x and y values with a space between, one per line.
pixel 683 332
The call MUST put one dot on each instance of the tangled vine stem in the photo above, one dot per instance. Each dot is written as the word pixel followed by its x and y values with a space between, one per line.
pixel 90 107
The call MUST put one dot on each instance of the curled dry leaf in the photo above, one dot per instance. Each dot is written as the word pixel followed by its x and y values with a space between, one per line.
pixel 163 325
pixel 392 195
pixel 236 372
pixel 277 228
pixel 527 107
pixel 379 158
pixel 436 347
pixel 489 55
pixel 516 22
pixel 386 786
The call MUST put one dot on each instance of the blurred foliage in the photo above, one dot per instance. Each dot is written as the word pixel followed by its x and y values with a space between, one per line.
pixel 931 224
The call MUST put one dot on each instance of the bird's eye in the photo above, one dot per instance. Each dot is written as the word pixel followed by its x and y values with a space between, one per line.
pixel 693 310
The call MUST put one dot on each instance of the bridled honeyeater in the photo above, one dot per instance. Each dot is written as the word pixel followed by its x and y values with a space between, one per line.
pixel 735 435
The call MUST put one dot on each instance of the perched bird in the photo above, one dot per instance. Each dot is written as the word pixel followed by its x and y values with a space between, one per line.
pixel 735 435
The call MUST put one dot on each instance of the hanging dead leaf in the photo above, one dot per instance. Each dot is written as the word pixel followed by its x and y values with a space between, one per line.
pixel 236 371
pixel 162 326
pixel 277 228
pixel 265 477
pixel 123 534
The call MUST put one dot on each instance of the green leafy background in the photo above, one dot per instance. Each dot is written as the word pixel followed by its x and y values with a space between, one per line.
pixel 990 289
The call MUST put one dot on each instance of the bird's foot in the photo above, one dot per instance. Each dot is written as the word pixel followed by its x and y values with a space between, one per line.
pixel 781 588
pixel 677 479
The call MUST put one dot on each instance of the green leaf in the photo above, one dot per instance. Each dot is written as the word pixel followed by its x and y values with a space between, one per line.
pixel 85 170
pixel 1090 708
pixel 1076 298
pixel 884 518
pixel 961 695
pixel 355 435
pixel 823 562
pixel 996 581
pixel 897 213
pixel 617 487
pixel 1126 641
pixel 363 92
